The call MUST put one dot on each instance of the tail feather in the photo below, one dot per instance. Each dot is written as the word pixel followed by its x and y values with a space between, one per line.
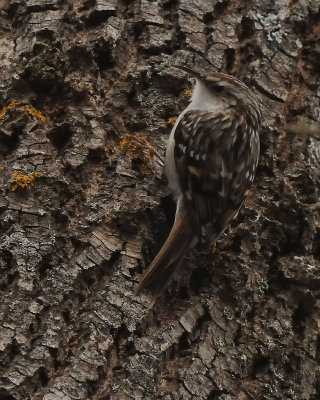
pixel 168 259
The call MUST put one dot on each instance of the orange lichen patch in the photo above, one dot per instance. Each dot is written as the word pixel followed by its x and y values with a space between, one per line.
pixel 29 109
pixel 171 121
pixel 34 112
pixel 10 106
pixel 138 146
pixel 187 92
pixel 20 180
pixel 106 149
pixel 145 170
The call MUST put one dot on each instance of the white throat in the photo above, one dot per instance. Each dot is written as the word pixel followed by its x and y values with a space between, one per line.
pixel 203 99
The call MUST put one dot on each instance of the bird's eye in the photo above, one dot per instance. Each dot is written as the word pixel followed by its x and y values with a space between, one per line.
pixel 218 89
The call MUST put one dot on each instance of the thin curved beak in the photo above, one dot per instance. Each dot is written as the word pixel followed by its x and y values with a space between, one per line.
pixel 189 71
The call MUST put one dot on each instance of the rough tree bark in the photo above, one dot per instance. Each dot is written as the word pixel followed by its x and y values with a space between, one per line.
pixel 242 323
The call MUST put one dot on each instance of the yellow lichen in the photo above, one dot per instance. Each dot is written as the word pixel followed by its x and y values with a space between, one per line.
pixel 20 180
pixel 138 146
pixel 171 121
pixel 145 170
pixel 34 112
pixel 29 109
pixel 4 110
pixel 106 149
pixel 187 92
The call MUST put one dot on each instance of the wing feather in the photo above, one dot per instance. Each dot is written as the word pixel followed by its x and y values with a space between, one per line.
pixel 215 158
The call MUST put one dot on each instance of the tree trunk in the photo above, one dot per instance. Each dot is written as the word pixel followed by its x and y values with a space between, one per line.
pixel 83 213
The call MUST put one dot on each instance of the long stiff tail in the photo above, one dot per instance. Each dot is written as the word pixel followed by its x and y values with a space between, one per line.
pixel 168 259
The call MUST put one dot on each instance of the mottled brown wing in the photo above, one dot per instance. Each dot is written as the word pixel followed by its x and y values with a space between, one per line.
pixel 216 157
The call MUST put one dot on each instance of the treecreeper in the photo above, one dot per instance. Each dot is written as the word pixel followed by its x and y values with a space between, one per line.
pixel 211 160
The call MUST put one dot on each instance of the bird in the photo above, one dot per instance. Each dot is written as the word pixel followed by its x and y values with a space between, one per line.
pixel 211 159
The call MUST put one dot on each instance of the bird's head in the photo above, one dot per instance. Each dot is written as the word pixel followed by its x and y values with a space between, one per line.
pixel 223 86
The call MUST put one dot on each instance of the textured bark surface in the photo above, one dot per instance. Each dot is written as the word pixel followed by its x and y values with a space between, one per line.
pixel 242 323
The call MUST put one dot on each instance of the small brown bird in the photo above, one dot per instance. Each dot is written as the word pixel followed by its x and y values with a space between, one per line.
pixel 211 160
